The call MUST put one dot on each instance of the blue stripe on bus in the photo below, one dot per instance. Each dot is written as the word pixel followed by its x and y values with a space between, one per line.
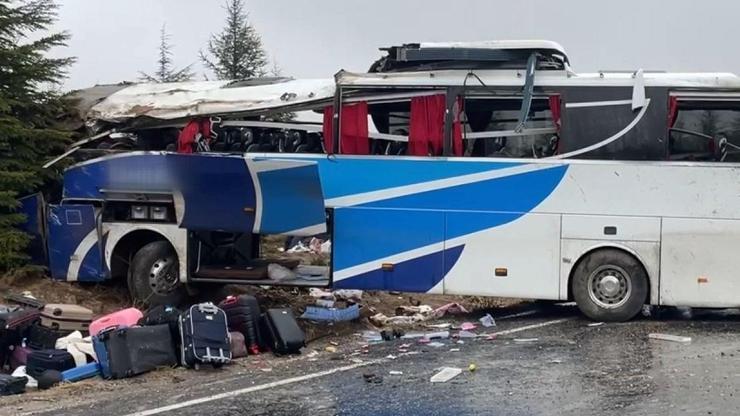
pixel 419 274
pixel 342 176
pixel 92 268
pixel 388 227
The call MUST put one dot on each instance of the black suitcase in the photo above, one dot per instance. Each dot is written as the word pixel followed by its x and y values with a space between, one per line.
pixel 39 361
pixel 286 337
pixel 164 315
pixel 243 315
pixel 14 323
pixel 136 350
pixel 12 385
pixel 42 338
pixel 204 336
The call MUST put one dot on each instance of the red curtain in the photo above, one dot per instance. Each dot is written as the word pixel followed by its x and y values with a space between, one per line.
pixel 554 101
pixel 186 139
pixel 354 139
pixel 427 124
pixel 672 111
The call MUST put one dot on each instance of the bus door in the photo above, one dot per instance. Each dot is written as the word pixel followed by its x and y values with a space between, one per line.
pixel 74 244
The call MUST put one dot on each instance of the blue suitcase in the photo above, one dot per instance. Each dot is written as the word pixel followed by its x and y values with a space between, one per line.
pixel 81 372
pixel 102 353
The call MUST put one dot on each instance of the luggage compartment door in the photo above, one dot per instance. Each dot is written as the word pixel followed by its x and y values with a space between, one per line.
pixel 388 249
pixel 74 247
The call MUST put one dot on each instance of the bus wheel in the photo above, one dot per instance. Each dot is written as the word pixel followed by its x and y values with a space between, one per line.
pixel 155 275
pixel 610 285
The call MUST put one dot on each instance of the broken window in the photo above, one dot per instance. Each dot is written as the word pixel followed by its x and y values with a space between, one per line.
pixel 491 127
pixel 704 130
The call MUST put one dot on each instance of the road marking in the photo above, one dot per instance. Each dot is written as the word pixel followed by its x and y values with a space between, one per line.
pixel 254 388
pixel 299 379
pixel 533 326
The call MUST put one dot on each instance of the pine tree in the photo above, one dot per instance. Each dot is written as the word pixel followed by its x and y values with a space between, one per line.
pixel 28 109
pixel 236 52
pixel 165 72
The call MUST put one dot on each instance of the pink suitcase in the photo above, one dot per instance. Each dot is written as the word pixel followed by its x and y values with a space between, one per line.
pixel 122 318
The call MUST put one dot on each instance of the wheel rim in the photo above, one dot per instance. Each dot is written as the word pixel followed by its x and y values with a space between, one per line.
pixel 164 276
pixel 609 286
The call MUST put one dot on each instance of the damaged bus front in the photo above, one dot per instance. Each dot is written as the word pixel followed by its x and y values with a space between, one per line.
pixel 165 221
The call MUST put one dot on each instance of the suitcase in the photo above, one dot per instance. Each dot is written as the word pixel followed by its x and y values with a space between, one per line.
pixel 286 337
pixel 204 336
pixel 18 356
pixel 39 361
pixel 101 354
pixel 12 385
pixel 80 373
pixel 243 314
pixel 136 350
pixel 164 315
pixel 17 317
pixel 66 317
pixel 42 338
pixel 122 318
pixel 237 345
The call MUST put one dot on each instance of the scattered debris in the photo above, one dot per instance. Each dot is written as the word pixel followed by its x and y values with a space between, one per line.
pixel 445 374
pixel 436 344
pixel 526 339
pixel 487 321
pixel 468 326
pixel 454 349
pixel 330 348
pixel 280 273
pixel 596 324
pixel 372 378
pixel 466 334
pixel 669 337
pixel 395 373
pixel 472 367
pixel 556 361
pixel 316 313
pixel 446 325
pixel 453 308
pixel 391 357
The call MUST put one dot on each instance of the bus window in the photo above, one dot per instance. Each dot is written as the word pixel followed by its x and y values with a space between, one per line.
pixel 706 131
pixel 490 128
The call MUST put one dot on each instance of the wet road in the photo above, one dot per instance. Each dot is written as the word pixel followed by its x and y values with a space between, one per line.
pixel 567 367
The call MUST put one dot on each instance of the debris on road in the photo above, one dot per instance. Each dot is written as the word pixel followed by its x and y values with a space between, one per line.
pixel 669 337
pixel 487 321
pixel 472 367
pixel 452 308
pixel 526 339
pixel 445 374
pixel 467 326
pixel 331 314
pixel 395 373
pixel 592 324
pixel 330 348
pixel 372 378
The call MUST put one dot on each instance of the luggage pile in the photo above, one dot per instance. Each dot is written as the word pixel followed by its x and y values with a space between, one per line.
pixel 42 345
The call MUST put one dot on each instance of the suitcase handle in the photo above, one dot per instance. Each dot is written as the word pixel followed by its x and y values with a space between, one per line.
pixel 207 307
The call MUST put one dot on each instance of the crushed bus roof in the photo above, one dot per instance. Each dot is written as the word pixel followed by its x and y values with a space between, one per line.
pixel 170 101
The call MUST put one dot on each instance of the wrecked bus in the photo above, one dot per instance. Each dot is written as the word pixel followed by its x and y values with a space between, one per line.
pixel 475 169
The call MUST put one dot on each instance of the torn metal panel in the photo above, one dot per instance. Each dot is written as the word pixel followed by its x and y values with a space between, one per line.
pixel 169 101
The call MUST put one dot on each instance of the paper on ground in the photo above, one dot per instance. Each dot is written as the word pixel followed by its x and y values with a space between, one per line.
pixel 445 375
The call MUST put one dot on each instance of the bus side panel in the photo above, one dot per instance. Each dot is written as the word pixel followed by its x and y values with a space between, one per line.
pixel 408 243
pixel 74 252
pixel 32 206
pixel 528 248
pixel 700 265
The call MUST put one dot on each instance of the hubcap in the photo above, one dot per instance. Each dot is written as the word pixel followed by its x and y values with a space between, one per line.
pixel 164 276
pixel 609 286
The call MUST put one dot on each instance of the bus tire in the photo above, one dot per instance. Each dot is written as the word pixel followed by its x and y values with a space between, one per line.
pixel 155 276
pixel 610 285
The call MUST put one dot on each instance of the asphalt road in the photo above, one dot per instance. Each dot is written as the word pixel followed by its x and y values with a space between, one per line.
pixel 566 367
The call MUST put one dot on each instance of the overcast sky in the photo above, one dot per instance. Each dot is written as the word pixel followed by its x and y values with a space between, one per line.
pixel 114 39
